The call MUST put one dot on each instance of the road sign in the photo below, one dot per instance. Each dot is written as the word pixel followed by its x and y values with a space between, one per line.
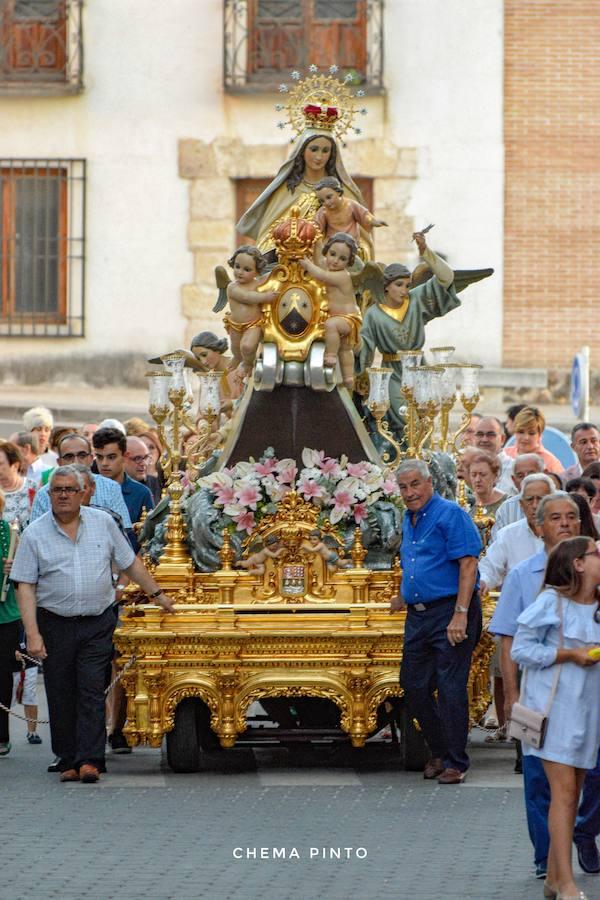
pixel 580 384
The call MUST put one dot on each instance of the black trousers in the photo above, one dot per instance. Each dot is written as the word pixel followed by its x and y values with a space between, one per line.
pixel 9 642
pixel 79 650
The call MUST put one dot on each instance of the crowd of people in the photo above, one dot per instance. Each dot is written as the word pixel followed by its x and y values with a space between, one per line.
pixel 542 557
pixel 537 547
pixel 68 571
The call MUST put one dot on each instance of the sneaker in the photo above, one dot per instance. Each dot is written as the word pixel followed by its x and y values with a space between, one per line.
pixel 541 869
pixel 118 742
pixel 5 749
pixel 33 738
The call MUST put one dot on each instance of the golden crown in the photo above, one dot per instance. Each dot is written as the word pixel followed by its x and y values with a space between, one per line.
pixel 321 101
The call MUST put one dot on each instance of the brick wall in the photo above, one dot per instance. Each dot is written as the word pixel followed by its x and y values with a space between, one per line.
pixel 552 187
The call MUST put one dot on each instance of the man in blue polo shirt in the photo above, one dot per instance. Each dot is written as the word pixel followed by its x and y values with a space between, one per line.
pixel 110 447
pixel 557 518
pixel 439 554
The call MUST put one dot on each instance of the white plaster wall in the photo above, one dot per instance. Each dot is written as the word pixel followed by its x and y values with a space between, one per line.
pixel 444 75
pixel 144 77
pixel 152 80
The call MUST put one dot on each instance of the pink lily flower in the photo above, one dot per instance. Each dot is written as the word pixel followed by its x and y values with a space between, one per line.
pixel 310 489
pixel 358 470
pixel 245 521
pixel 360 512
pixel 248 495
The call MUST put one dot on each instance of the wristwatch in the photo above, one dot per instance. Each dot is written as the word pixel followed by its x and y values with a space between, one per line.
pixel 155 594
pixel 461 609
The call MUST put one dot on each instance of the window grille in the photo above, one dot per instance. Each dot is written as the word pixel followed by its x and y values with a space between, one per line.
pixel 266 39
pixel 42 247
pixel 41 46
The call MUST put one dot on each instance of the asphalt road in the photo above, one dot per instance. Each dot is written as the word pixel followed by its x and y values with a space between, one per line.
pixel 144 833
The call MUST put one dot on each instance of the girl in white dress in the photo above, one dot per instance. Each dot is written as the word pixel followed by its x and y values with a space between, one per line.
pixel 573 736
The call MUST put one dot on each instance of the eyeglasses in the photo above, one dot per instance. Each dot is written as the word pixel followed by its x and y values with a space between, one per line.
pixel 139 459
pixel 64 490
pixel 70 457
pixel 595 552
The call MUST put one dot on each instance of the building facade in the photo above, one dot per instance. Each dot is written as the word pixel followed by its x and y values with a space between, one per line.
pixel 131 144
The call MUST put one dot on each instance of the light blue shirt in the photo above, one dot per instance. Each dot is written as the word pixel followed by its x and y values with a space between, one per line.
pixel 108 493
pixel 72 578
pixel 520 589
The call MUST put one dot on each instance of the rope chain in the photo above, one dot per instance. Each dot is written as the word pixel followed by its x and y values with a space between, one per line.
pixel 36 662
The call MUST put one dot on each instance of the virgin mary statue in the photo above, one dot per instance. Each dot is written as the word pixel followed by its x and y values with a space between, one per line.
pixel 315 155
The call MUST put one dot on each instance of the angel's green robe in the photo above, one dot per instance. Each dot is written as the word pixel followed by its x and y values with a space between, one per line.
pixel 380 331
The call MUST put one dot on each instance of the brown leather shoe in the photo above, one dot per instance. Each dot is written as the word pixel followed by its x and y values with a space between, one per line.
pixel 88 774
pixel 433 768
pixel 69 775
pixel 451 776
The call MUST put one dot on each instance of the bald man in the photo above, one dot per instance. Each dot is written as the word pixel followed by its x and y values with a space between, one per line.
pixel 136 466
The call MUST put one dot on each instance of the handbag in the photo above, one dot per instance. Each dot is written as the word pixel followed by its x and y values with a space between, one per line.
pixel 526 724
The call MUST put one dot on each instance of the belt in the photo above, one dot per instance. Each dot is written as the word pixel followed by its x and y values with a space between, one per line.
pixel 441 601
pixel 48 612
pixel 391 357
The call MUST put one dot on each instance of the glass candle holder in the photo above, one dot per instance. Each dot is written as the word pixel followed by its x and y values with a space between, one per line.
pixel 379 386
pixel 209 396
pixel 448 383
pixel 422 385
pixel 469 379
pixel 159 389
pixel 174 364
pixel 442 355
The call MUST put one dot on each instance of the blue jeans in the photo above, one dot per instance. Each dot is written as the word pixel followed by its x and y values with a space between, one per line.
pixel 537 804
pixel 430 663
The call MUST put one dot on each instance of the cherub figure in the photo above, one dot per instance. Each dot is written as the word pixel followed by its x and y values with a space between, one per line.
pixel 340 214
pixel 256 562
pixel 244 321
pixel 342 327
pixel 315 545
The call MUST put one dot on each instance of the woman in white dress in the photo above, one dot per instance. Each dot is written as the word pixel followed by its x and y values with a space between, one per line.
pixel 569 603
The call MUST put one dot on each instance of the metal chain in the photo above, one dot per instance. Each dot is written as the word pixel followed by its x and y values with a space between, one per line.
pixel 114 682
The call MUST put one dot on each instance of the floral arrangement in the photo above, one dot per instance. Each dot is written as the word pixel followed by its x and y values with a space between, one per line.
pixel 343 491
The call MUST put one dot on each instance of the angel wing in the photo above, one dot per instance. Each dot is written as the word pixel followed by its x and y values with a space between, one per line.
pixel 223 281
pixel 191 362
pixel 368 285
pixel 462 277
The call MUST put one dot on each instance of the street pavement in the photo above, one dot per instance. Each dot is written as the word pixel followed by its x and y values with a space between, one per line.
pixel 144 833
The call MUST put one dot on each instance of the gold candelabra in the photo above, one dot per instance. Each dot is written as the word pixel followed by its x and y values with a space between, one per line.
pixel 430 394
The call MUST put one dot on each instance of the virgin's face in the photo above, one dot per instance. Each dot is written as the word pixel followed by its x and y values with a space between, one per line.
pixel 317 153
